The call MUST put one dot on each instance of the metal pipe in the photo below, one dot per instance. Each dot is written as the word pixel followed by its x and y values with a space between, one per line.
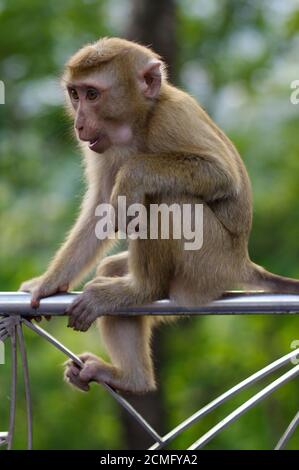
pixel 13 387
pixel 244 407
pixel 288 433
pixel 12 303
pixel 27 385
pixel 260 374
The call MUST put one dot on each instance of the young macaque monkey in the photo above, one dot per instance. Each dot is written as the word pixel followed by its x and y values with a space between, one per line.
pixel 145 139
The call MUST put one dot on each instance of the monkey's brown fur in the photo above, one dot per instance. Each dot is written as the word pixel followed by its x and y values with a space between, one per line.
pixel 172 152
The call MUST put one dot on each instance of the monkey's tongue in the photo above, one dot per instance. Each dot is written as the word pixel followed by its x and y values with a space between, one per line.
pixel 93 143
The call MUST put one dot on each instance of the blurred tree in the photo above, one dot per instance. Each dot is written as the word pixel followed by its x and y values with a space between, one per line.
pixel 162 37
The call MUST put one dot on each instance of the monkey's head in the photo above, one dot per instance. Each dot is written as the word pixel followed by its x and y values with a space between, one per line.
pixel 111 86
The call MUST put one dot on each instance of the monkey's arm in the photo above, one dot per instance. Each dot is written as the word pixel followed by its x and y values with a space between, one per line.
pixel 73 258
pixel 206 176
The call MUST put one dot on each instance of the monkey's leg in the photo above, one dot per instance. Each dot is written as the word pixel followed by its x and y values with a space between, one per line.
pixel 114 265
pixel 127 340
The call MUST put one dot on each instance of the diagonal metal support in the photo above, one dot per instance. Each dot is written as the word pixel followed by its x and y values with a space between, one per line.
pixel 224 397
pixel 122 401
pixel 245 407
pixel 288 433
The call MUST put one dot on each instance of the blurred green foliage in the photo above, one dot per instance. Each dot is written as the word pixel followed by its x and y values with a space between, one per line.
pixel 239 59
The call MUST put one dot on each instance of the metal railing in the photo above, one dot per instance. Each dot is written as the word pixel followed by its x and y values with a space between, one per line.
pixel 15 307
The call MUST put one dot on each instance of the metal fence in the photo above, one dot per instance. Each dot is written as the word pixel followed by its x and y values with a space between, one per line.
pixel 15 307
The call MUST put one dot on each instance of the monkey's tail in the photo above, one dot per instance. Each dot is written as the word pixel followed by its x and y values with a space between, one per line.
pixel 259 278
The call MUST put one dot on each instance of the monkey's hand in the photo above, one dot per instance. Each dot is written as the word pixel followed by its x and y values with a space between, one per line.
pixel 42 286
pixel 86 308
pixel 94 370
pixel 81 376
pixel 28 286
pixel 123 198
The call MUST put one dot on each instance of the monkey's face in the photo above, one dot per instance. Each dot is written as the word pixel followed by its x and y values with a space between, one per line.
pixel 98 119
pixel 108 103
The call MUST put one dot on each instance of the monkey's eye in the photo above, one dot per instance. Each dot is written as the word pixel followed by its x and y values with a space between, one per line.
pixel 92 94
pixel 74 94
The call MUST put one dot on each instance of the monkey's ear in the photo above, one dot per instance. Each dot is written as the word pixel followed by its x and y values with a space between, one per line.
pixel 150 78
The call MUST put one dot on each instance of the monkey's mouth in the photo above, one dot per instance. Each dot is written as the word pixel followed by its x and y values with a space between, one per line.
pixel 94 142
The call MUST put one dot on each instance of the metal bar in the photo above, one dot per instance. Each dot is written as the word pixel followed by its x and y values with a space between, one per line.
pixel 288 433
pixel 146 426
pixel 53 341
pixel 244 407
pixel 187 423
pixel 26 384
pixel 13 389
pixel 133 412
pixel 231 303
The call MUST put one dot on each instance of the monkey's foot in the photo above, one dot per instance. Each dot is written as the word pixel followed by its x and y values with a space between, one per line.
pixel 97 370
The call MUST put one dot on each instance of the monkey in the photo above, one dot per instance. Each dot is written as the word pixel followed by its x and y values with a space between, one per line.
pixel 143 138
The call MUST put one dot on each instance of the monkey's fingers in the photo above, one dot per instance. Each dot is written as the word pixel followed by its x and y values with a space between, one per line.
pixel 86 356
pixel 29 285
pixel 35 300
pixel 75 311
pixel 73 368
pixel 86 323
pixel 45 290
pixel 39 318
pixel 88 373
pixel 73 378
pixel 73 321
pixel 73 305
pixel 71 363
pixel 97 370
pixel 63 288
pixel 81 320
pixel 77 316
